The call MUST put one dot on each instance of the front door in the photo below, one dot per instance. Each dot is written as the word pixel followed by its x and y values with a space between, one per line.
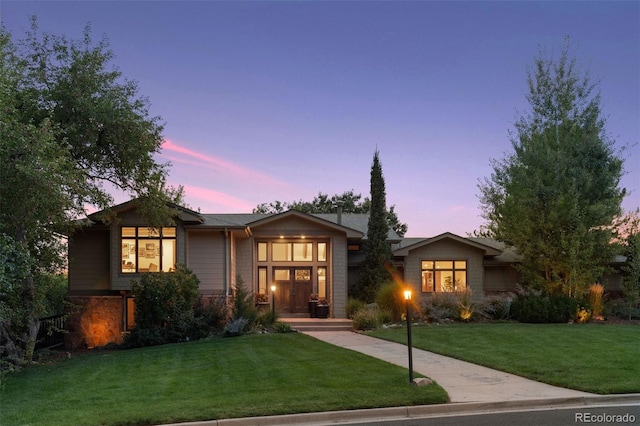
pixel 293 289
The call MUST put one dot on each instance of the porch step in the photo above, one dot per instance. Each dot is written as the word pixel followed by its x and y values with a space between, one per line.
pixel 319 324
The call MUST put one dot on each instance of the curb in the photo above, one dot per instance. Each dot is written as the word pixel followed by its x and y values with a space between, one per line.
pixel 417 411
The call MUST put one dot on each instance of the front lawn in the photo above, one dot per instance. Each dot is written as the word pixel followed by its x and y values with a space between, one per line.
pixel 597 358
pixel 252 375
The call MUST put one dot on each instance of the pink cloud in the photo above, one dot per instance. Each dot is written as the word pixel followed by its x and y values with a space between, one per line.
pixel 208 161
pixel 215 201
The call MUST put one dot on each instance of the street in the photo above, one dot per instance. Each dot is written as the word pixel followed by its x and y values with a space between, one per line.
pixel 628 414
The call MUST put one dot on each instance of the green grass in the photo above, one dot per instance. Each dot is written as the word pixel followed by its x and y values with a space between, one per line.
pixel 593 358
pixel 225 378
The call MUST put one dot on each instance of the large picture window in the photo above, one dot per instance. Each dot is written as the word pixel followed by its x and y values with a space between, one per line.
pixel 147 249
pixel 444 275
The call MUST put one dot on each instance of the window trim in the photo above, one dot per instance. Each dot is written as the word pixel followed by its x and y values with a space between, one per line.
pixel 155 234
pixel 454 270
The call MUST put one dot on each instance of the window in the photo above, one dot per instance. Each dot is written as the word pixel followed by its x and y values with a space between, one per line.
pixel 302 252
pixel 262 280
pixel 287 252
pixel 322 252
pixel 148 250
pixel 262 252
pixel 322 282
pixel 281 252
pixel 444 275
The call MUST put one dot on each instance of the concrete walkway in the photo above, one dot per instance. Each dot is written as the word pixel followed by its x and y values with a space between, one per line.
pixel 463 381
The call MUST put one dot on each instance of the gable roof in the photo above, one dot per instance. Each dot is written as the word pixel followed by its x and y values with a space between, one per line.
pixel 405 247
pixel 318 219
pixel 183 213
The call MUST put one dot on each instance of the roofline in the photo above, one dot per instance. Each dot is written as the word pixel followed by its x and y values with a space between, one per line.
pixel 488 249
pixel 351 233
pixel 134 203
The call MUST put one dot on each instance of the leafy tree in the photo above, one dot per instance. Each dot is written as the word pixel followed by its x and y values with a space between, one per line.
pixel 630 242
pixel 555 195
pixel 377 250
pixel 72 127
pixel 322 203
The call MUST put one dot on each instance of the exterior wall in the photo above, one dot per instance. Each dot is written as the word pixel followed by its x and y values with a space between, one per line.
pixel 95 322
pixel 340 274
pixel 500 278
pixel 245 261
pixel 446 249
pixel 89 261
pixel 205 257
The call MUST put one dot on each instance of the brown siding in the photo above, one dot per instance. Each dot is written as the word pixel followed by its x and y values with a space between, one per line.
pixel 339 276
pixel 205 257
pixel 89 260
pixel 244 262
pixel 500 278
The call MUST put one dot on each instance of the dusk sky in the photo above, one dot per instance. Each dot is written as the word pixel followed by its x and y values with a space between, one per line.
pixel 268 101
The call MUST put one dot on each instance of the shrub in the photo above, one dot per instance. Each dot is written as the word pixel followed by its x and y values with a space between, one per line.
pixel 532 308
pixel 281 327
pixel 354 305
pixel 563 308
pixel 266 318
pixel 210 317
pixel 370 317
pixel 390 298
pixel 243 303
pixel 496 307
pixel 467 309
pixel 596 300
pixel 236 327
pixel 244 314
pixel 441 307
pixel 164 307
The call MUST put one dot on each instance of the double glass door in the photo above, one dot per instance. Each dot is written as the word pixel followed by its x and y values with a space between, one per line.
pixel 293 289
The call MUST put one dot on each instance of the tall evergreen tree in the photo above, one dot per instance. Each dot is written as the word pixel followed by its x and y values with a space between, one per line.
pixel 378 255
pixel 555 196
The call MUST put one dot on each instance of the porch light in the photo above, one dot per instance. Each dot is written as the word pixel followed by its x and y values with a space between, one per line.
pixel 407 299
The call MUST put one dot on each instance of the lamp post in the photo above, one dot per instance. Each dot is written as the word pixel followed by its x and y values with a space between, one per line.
pixel 407 299
pixel 273 298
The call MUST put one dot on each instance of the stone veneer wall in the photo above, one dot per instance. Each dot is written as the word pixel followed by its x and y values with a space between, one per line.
pixel 94 322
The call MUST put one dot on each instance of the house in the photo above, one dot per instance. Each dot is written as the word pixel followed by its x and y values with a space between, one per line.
pixel 298 253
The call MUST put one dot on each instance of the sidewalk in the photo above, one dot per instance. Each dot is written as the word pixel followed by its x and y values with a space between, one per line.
pixel 463 381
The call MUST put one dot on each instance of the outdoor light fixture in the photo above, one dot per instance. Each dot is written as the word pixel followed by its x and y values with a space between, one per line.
pixel 273 298
pixel 407 299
